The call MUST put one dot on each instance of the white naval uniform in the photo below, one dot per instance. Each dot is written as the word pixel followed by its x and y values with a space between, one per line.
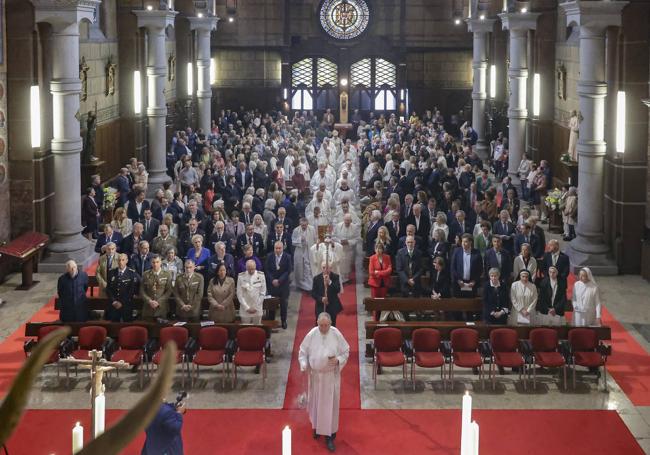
pixel 251 291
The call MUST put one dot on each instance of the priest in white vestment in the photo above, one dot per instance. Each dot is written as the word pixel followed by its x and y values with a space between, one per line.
pixel 348 235
pixel 323 353
pixel 323 174
pixel 329 252
pixel 319 201
pixel 344 193
pixel 303 238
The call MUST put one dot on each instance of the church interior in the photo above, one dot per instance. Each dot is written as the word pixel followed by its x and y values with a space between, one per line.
pixel 454 195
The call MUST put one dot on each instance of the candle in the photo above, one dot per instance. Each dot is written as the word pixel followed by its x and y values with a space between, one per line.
pixel 465 430
pixel 286 441
pixel 100 414
pixel 475 438
pixel 77 438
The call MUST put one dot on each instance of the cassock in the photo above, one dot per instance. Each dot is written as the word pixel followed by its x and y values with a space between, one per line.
pixel 351 234
pixel 324 380
pixel 303 240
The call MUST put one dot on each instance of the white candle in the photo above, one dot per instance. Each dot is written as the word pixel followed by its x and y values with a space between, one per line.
pixel 465 430
pixel 100 414
pixel 77 438
pixel 286 441
pixel 475 438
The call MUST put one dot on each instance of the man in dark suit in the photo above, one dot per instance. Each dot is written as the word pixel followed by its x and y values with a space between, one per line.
pixel 506 231
pixel 554 257
pixel 371 233
pixel 243 177
pixel 284 219
pixel 89 213
pixel 325 290
pixel 122 287
pixel 108 236
pixel 459 227
pixel 277 270
pixel 164 208
pixel 150 226
pixel 466 269
pixel 219 234
pixel 185 240
pixel 137 206
pixel 193 212
pixel 407 209
pixel 498 258
pixel 141 261
pixel 538 231
pixel 221 257
pixel 280 235
pixel 254 239
pixel 99 190
pixel 396 229
pixel 528 237
pixel 123 187
pixel 232 195
pixel 132 241
pixel 71 289
pixel 409 269
pixel 422 225
pixel 410 232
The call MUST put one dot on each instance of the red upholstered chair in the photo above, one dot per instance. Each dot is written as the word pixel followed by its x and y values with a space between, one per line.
pixel 212 351
pixel 91 337
pixel 504 343
pixel 30 344
pixel 465 353
pixel 426 352
pixel 544 344
pixel 586 351
pixel 131 342
pixel 251 342
pixel 388 351
pixel 178 335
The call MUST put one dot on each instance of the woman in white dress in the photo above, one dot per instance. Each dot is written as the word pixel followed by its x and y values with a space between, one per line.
pixel 523 295
pixel 586 300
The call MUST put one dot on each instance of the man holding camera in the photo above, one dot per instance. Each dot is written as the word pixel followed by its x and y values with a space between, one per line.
pixel 164 432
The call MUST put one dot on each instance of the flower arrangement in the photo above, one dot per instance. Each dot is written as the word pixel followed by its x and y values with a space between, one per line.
pixel 566 158
pixel 109 198
pixel 552 199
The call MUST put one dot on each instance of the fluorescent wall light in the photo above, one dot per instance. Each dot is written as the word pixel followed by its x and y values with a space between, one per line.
pixel 620 122
pixel 190 78
pixel 285 93
pixel 536 94
pixel 493 81
pixel 213 71
pixel 137 93
pixel 35 114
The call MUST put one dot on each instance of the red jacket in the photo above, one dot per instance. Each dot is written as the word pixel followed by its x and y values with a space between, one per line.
pixel 384 271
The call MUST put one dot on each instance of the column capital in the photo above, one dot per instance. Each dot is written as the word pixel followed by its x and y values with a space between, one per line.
pixel 206 23
pixel 477 25
pixel 155 19
pixel 519 21
pixel 593 15
pixel 63 13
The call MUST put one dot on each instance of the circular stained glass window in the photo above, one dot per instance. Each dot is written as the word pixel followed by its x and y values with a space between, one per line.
pixel 344 19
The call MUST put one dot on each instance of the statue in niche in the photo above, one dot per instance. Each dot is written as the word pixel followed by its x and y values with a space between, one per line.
pixel 171 68
pixel 574 128
pixel 111 69
pixel 88 154
pixel 561 81
pixel 83 75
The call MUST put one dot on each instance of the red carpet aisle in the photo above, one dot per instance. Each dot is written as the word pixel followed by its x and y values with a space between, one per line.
pixel 12 355
pixel 385 432
pixel 346 322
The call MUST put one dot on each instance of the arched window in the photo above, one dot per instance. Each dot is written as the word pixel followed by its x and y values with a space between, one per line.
pixel 314 84
pixel 373 85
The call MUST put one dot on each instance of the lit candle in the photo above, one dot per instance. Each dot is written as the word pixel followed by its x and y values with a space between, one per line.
pixel 77 438
pixel 465 430
pixel 475 437
pixel 100 414
pixel 286 441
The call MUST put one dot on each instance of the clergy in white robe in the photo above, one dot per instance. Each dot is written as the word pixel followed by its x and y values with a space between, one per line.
pixel 344 209
pixel 320 202
pixel 323 354
pixel 321 175
pixel 586 300
pixel 344 193
pixel 303 238
pixel 328 252
pixel 348 235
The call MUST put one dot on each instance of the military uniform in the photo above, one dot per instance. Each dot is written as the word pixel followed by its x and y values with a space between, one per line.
pixel 189 291
pixel 251 291
pixel 122 287
pixel 156 287
pixel 160 245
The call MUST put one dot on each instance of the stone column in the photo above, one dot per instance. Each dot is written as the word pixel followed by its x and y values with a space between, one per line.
pixel 156 22
pixel 593 18
pixel 65 17
pixel 480 28
pixel 203 27
pixel 518 25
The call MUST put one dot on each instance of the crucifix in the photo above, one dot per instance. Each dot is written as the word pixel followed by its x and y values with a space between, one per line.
pixel 97 366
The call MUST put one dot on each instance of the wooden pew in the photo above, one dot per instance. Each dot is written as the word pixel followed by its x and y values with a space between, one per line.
pixel 474 305
pixel 604 333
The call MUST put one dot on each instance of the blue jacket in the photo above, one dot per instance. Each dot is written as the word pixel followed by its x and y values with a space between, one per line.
pixel 72 297
pixel 164 433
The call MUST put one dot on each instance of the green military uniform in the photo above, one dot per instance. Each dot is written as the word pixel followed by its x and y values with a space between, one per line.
pixel 160 245
pixel 189 291
pixel 155 287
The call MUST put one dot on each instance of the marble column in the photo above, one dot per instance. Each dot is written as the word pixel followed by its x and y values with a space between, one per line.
pixel 156 22
pixel 517 24
pixel 480 28
pixel 593 18
pixel 65 87
pixel 203 27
